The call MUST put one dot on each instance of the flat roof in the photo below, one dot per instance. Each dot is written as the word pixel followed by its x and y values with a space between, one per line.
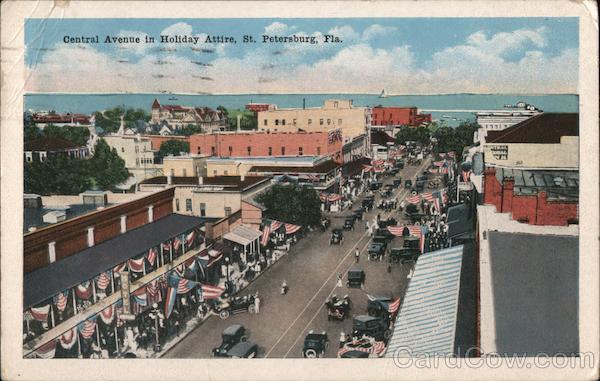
pixel 535 286
pixel 304 159
pixel 322 168
pixel 33 217
pixel 231 183
pixel 545 128
pixel 563 185
pixel 43 283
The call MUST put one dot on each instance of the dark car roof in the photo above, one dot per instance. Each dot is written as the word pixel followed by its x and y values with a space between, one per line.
pixel 355 270
pixel 315 336
pixel 337 230
pixel 355 354
pixel 241 349
pixel 233 329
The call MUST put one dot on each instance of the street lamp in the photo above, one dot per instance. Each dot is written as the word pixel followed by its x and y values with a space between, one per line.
pixel 227 270
pixel 155 314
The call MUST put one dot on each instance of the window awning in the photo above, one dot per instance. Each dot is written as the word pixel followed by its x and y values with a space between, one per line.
pixel 243 235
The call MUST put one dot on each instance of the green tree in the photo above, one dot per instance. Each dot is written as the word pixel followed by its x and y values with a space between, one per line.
pixel 75 134
pixel 292 203
pixel 189 129
pixel 106 167
pixel 418 134
pixel 173 147
pixel 32 133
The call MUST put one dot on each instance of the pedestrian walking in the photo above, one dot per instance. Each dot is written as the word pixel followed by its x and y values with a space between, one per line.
pixel 342 339
pixel 339 281
pixel 256 303
pixel 367 227
pixel 357 255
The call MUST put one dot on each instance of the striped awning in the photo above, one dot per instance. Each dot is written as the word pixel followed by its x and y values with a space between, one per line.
pixel 427 320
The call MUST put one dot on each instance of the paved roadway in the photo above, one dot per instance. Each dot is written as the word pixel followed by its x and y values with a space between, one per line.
pixel 310 271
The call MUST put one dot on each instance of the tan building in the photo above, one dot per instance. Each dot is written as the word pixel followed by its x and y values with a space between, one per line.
pixel 545 141
pixel 335 114
pixel 210 197
pixel 183 166
pixel 137 153
pixel 240 166
pixel 177 117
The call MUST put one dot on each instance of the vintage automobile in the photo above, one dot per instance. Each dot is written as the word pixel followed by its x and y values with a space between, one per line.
pixel 411 242
pixel 376 251
pixel 337 237
pixel 420 185
pixel 394 171
pixel 403 255
pixel 358 214
pixel 374 327
pixel 315 344
pixel 231 336
pixel 366 345
pixel 381 239
pixel 367 202
pixel 354 354
pixel 355 278
pixel 385 193
pixel 338 309
pixel 397 182
pixel 243 350
pixel 422 178
pixel 378 307
pixel 235 305
pixel 408 184
pixel 325 223
pixel 349 223
pixel 376 185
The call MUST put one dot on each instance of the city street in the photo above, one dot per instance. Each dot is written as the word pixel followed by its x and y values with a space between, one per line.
pixel 310 270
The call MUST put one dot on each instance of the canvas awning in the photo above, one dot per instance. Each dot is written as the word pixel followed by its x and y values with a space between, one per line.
pixel 244 235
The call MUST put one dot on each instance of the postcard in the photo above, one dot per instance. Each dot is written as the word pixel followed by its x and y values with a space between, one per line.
pixel 411 185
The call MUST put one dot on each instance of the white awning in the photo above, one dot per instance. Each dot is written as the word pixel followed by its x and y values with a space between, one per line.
pixel 243 235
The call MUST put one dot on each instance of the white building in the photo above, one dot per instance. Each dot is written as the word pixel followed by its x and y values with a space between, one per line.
pixel 498 120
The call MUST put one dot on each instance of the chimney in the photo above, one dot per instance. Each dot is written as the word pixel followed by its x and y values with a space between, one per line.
pixel 200 180
pixel 170 177
pixel 239 122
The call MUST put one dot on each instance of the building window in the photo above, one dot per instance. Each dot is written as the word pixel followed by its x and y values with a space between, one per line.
pixel 199 151
pixel 300 151
pixel 177 204
pixel 213 151
pixel 310 121
pixel 202 209
pixel 214 172
pixel 265 122
pixel 294 122
pixel 249 149
pixel 184 172
pixel 321 122
pixel 137 149
pixel 227 211
pixel 339 122
pixel 282 151
pixel 270 151
pixel 318 150
pixel 328 122
pixel 336 104
pixel 283 122
pixel 230 150
pixel 188 204
pixel 277 122
pixel 137 162
pixel 225 173
pixel 122 149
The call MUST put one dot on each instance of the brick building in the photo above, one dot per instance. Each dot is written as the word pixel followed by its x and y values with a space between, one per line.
pixel 398 116
pixel 534 197
pixel 251 144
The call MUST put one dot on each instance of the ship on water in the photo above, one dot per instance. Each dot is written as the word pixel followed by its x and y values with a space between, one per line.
pixel 383 94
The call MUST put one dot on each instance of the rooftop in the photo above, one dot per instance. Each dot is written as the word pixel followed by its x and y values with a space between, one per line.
pixel 33 217
pixel 50 144
pixel 380 138
pixel 232 183
pixel 41 284
pixel 546 128
pixel 562 185
pixel 322 168
pixel 535 274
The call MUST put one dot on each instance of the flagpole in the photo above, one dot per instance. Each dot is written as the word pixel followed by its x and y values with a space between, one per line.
pixel 78 343
pixel 112 280
pixel 52 315
pixel 74 302
pixel 98 335
pixel 457 181
pixel 93 289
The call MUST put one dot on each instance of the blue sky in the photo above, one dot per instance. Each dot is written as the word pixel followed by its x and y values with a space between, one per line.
pixel 403 55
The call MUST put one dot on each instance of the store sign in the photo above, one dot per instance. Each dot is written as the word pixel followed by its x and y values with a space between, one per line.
pixel 125 292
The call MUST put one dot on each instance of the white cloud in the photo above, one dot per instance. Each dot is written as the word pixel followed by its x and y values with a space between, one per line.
pixel 134 48
pixel 376 30
pixel 477 65
pixel 278 28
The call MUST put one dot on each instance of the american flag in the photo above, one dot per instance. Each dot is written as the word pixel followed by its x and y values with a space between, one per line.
pixel 265 235
pixel 377 348
pixel 176 243
pixel 396 230
pixel 67 339
pixel 152 254
pixel 60 300
pixel 291 228
pixel 440 163
pixel 108 314
pixel 414 230
pixel 414 199
pixel 189 239
pixel 428 196
pixel 136 265
pixel 275 225
pixel 466 175
pixel 118 268
pixel 84 290
pixel 185 286
pixel 377 163
pixel 40 313
pixel 211 292
pixel 87 328
pixel 393 306
pixel 166 246
pixel 46 351
pixel 102 281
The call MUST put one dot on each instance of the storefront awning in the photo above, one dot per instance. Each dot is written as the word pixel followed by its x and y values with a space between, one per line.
pixel 243 235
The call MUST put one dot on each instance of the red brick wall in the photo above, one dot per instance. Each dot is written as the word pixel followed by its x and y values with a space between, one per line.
pixel 157 140
pixel 36 259
pixel 312 143
pixel 534 209
pixel 163 209
pixel 70 245
pixel 137 219
pixel 106 231
pixel 383 116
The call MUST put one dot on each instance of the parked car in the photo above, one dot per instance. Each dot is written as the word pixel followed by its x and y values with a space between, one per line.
pixel 376 185
pixel 381 239
pixel 367 202
pixel 378 307
pixel 374 327
pixel 243 350
pixel 235 305
pixel 394 171
pixel 358 214
pixel 403 255
pixel 230 337
pixel 337 237
pixel 315 344
pixel 376 250
pixel 408 184
pixel 397 182
pixel 411 242
pixel 349 223
pixel 338 309
pixel 356 277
